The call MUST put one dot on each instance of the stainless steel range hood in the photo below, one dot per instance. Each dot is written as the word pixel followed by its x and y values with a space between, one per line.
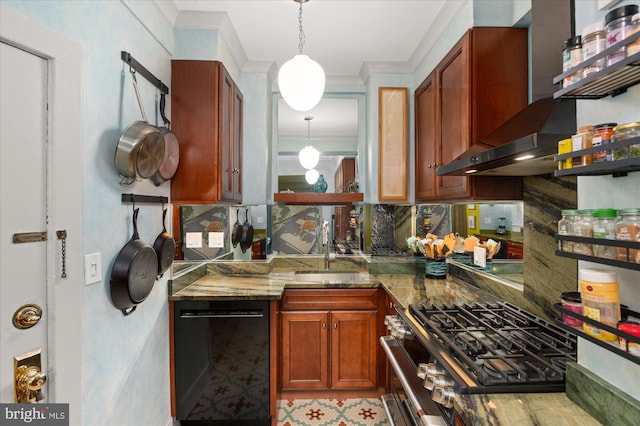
pixel 525 144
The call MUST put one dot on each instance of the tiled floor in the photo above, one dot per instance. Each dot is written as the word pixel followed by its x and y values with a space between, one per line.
pixel 332 412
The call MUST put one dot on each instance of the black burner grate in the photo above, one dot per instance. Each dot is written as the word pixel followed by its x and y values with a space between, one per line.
pixel 500 344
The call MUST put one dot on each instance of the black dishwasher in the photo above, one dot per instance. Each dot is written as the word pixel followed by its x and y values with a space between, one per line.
pixel 221 356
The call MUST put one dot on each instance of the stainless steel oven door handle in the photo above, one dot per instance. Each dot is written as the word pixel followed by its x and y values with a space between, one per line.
pixel 425 419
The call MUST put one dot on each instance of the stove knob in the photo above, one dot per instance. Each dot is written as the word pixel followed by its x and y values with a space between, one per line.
pixel 437 381
pixel 443 396
pixel 391 321
pixel 429 369
pixel 400 332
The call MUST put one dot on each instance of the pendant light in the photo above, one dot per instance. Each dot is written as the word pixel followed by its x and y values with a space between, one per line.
pixel 301 79
pixel 309 156
pixel 311 176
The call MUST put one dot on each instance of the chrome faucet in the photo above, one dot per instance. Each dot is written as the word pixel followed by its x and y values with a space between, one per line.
pixel 328 256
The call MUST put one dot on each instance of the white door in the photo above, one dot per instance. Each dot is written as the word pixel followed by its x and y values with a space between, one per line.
pixel 23 211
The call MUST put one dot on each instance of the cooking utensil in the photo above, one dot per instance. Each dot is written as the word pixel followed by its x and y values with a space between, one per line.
pixel 140 149
pixel 134 272
pixel 247 233
pixel 165 247
pixel 236 233
pixel 171 159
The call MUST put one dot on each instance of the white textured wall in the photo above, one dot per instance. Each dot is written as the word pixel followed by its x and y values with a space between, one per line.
pixel 125 360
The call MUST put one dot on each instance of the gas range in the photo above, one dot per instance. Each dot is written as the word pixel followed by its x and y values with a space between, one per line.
pixel 438 352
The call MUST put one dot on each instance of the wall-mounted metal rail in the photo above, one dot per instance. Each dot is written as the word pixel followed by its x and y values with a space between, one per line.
pixel 135 198
pixel 137 66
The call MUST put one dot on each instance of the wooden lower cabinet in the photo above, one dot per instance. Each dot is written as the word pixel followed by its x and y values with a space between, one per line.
pixel 331 348
pixel 514 250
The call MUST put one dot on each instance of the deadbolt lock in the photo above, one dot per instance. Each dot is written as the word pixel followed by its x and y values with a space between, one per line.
pixel 27 316
pixel 29 378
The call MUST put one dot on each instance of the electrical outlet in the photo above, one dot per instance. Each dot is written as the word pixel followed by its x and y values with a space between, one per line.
pixel 487 221
pixel 92 268
pixel 216 239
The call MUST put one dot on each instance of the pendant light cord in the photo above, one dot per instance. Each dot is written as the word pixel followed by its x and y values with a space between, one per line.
pixel 301 34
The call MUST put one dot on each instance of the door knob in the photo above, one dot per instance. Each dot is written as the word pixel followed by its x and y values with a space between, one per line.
pixel 29 383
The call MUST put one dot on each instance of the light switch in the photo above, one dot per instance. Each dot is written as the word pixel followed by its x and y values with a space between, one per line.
pixel 194 240
pixel 92 268
pixel 487 221
pixel 216 239
pixel 260 219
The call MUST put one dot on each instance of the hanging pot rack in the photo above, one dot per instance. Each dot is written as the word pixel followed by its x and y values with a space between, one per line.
pixel 137 67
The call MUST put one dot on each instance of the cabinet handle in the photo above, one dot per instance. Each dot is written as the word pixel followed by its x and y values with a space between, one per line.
pixel 335 325
pixel 236 170
pixel 324 325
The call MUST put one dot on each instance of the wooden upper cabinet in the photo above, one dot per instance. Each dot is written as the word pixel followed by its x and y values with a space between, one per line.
pixel 207 121
pixel 426 133
pixel 476 87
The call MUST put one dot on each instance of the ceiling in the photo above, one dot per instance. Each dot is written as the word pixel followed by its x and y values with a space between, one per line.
pixel 349 38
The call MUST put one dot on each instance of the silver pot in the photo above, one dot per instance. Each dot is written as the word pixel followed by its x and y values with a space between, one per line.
pixel 171 158
pixel 140 149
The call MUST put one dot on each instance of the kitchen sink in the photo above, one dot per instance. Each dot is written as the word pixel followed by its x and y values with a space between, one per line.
pixel 330 277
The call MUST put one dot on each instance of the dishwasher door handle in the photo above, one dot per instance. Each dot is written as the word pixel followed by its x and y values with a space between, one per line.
pixel 217 313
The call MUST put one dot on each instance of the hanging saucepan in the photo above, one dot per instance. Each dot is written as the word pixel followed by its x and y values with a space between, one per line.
pixel 134 272
pixel 140 149
pixel 236 233
pixel 169 165
pixel 165 247
pixel 247 233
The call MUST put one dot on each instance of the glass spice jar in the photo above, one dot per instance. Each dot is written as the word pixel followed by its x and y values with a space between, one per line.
pixel 565 227
pixel 583 228
pixel 571 57
pixel 627 229
pixel 603 133
pixel 617 26
pixel 634 47
pixel 594 41
pixel 623 132
pixel 604 226
pixel 583 139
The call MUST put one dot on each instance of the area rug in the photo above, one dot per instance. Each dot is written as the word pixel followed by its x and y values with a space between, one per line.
pixel 332 412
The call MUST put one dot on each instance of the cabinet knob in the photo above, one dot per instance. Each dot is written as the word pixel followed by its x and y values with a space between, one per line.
pixel 236 170
pixel 324 325
pixel 335 325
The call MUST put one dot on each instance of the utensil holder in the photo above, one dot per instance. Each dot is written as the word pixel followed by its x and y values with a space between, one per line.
pixel 435 268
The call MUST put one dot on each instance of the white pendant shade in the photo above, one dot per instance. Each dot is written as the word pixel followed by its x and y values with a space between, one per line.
pixel 311 176
pixel 309 157
pixel 301 81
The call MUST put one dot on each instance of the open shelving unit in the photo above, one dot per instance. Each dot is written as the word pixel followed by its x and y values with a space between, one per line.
pixel 610 81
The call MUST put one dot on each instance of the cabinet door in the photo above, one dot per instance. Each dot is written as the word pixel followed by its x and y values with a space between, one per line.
pixel 305 350
pixel 194 113
pixel 455 113
pixel 353 349
pixel 237 144
pixel 426 139
pixel 226 136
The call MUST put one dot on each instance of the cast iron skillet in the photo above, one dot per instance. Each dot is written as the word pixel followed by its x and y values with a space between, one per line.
pixel 165 247
pixel 134 272
pixel 247 233
pixel 236 233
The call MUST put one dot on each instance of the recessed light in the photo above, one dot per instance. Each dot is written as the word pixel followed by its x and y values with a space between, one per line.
pixel 524 157
pixel 470 171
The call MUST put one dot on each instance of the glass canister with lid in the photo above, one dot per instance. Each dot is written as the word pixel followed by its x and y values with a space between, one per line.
pixel 594 41
pixel 571 57
pixel 603 134
pixel 604 226
pixel 565 227
pixel 583 227
pixel 617 26
pixel 627 229
pixel 623 132
pixel 634 47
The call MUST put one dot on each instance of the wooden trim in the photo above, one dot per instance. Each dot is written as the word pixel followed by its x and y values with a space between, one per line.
pixel 318 198
pixel 393 144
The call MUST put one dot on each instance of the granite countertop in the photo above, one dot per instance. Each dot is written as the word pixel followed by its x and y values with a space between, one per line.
pixel 543 409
